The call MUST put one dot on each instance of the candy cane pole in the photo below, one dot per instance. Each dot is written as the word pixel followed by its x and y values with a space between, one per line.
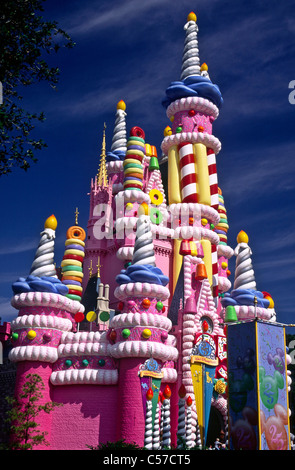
pixel 156 432
pixel 188 435
pixel 181 417
pixel 148 435
pixel 213 181
pixel 166 442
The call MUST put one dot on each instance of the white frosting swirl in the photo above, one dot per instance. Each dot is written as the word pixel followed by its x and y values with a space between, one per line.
pixel 33 353
pixel 46 299
pixel 244 273
pixel 41 321
pixel 43 264
pixel 143 289
pixel 190 56
pixel 119 141
pixel 144 247
pixel 194 137
pixel 85 376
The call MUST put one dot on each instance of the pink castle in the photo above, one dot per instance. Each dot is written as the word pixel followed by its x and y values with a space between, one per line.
pixel 118 336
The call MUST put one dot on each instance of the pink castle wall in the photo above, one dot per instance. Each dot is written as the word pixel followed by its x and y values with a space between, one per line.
pixel 88 416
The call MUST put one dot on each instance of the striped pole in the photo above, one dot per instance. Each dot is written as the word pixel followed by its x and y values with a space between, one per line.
pixel 214 274
pixel 213 181
pixel 188 173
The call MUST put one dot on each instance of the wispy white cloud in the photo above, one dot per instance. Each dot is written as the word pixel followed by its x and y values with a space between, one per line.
pixel 20 247
pixel 88 19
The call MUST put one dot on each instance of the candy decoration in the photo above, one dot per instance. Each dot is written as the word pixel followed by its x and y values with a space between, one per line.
pixel 43 264
pixel 190 56
pixel 166 440
pixel 91 316
pixel 68 363
pixel 244 273
pixel 213 181
pixel 119 139
pixel 144 246
pixel 201 272
pixel 133 168
pixel 159 306
pixel 188 177
pixel 79 316
pixel 154 164
pixel 222 227
pixel 156 216
pixel 146 303
pixel 214 256
pixel 72 262
pixel 148 435
pixel 126 333
pixel 146 333
pixel 156 197
pixel 188 434
pixel 181 417
pixel 156 430
pixel 31 334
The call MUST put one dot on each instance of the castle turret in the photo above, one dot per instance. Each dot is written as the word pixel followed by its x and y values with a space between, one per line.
pixel 192 104
pixel 45 313
pixel 140 331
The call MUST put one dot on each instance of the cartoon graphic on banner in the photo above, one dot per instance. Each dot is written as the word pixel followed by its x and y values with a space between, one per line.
pixel 257 387
pixel 150 377
pixel 203 366
pixel 273 393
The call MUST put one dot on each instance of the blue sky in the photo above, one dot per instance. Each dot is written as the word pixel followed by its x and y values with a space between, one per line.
pixel 132 50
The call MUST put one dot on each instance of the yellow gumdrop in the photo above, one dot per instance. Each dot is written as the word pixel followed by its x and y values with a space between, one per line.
pixel 242 237
pixel 31 334
pixel 204 222
pixel 51 222
pixel 146 333
pixel 204 67
pixel 129 206
pixel 224 265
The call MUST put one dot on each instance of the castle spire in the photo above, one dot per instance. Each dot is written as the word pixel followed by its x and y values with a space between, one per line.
pixel 119 141
pixel 102 179
pixel 190 57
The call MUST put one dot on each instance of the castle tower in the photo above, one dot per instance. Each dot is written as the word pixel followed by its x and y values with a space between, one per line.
pixel 140 331
pixel 192 104
pixel 45 313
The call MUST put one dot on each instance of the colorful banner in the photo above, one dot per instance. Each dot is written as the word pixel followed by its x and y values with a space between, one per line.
pixel 257 387
pixel 273 388
pixel 150 377
pixel 203 366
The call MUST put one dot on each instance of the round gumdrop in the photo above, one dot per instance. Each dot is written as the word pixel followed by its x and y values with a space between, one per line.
pixel 146 303
pixel 159 306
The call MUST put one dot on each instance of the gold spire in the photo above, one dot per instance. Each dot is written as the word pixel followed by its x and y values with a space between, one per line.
pixel 90 269
pixel 102 178
pixel 98 267
pixel 76 216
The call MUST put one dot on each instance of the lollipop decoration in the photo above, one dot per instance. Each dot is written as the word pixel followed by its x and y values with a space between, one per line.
pixel 72 271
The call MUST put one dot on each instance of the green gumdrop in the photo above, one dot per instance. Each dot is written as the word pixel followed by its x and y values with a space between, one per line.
pixel 159 306
pixel 126 333
pixel 179 129
pixel 154 164
pixel 101 362
pixel 85 362
pixel 68 362
pixel 14 336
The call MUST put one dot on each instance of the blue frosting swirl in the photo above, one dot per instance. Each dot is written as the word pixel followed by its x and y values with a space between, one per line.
pixel 244 297
pixel 195 85
pixel 39 284
pixel 142 273
pixel 116 155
